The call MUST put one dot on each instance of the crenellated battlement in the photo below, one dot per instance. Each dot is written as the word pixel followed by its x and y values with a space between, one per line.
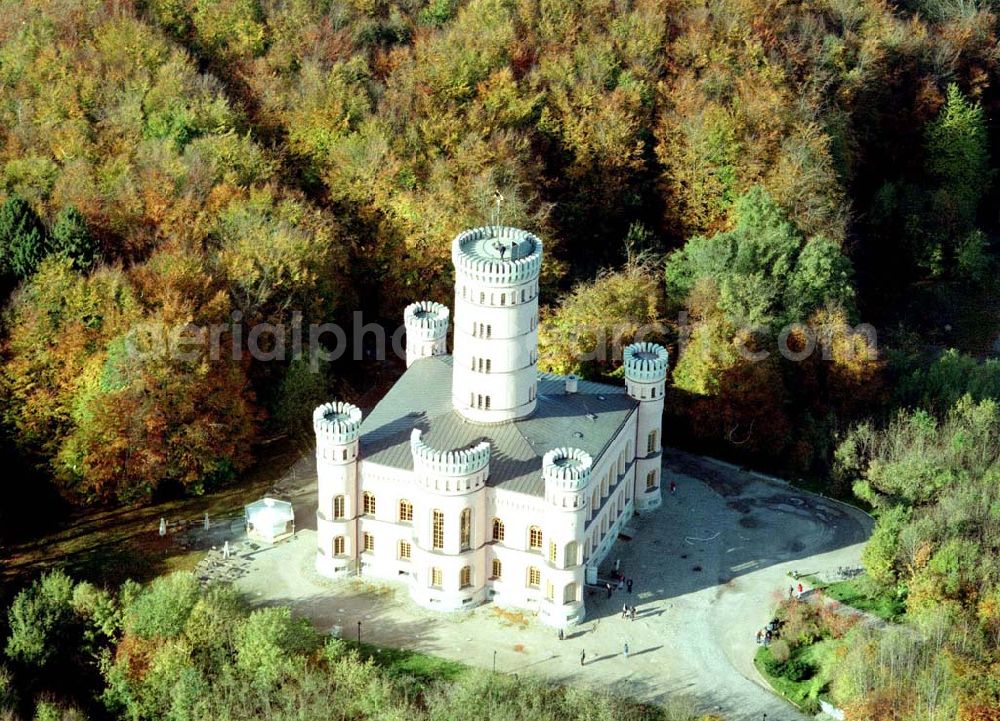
pixel 461 462
pixel 337 422
pixel 645 362
pixel 427 318
pixel 497 255
pixel 567 468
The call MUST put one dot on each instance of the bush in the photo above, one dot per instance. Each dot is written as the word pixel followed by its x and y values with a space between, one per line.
pixel 40 619
pixel 162 609
pixel 796 669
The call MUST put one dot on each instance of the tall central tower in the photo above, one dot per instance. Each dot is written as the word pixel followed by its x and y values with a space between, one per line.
pixel 496 323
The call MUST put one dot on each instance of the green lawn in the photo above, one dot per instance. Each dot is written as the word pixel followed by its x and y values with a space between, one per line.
pixel 420 666
pixel 806 693
pixel 853 592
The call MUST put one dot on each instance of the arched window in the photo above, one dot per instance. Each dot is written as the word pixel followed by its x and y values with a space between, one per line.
pixel 651 442
pixel 569 593
pixel 535 538
pixel 497 529
pixel 436 577
pixel 339 544
pixel 369 542
pixel 465 529
pixel 338 507
pixel 503 299
pixel 404 551
pixel 496 568
pixel 522 295
pixel 343 454
pixel 369 503
pixel 437 529
pixel 405 511
pixel 465 577
pixel 534 577
pixel 651 481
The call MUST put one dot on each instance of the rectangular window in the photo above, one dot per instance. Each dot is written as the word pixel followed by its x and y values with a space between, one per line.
pixel 553 551
pixel 651 480
pixel 404 551
pixel 369 541
pixel 405 511
pixel 550 591
pixel 487 402
pixel 465 577
pixel 465 529
pixel 489 331
pixel 488 364
pixel 436 577
pixel 651 442
pixel 534 577
pixel 369 501
pixel 497 568
pixel 437 530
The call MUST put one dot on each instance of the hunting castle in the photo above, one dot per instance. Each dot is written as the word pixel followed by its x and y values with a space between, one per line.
pixel 476 477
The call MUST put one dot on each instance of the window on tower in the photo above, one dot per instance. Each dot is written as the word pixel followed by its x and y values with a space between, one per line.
pixel 651 481
pixel 338 507
pixel 497 529
pixel 437 530
pixel 651 442
pixel 487 402
pixel 465 528
pixel 465 577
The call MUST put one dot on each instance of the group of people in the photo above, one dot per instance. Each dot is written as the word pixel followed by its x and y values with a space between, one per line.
pixel 628 612
pixel 770 632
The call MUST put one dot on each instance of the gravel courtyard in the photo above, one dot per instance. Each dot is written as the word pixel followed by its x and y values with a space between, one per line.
pixel 708 567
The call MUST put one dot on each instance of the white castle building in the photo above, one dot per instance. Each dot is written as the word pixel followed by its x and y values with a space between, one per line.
pixel 476 477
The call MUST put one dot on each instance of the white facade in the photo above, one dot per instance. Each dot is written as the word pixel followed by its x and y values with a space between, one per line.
pixel 436 518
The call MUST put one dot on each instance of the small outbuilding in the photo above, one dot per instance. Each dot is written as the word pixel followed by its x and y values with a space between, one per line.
pixel 270 520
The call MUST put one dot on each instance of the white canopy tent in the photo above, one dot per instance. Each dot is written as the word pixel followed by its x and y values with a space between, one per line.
pixel 270 520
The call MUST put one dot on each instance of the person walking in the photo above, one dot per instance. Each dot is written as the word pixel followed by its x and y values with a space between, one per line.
pixel 608 586
pixel 760 635
pixel 628 585
pixel 583 656
pixel 225 551
pixel 800 590
pixel 618 565
pixel 631 614
pixel 791 591
pixel 673 487
pixel 625 652
pixel 624 610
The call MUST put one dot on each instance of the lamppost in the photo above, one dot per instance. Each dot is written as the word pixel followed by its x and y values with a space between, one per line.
pixel 359 634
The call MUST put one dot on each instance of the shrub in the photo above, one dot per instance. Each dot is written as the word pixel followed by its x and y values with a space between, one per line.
pixel 40 618
pixel 796 669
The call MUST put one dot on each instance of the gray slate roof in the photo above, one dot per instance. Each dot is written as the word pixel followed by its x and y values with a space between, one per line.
pixel 588 419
